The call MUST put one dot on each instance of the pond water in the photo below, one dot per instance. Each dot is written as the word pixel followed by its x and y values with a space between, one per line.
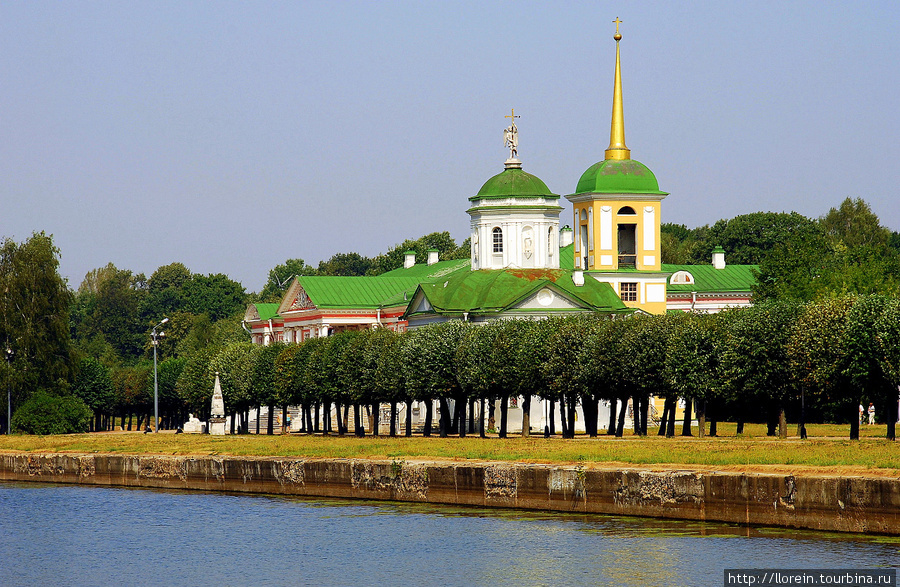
pixel 80 535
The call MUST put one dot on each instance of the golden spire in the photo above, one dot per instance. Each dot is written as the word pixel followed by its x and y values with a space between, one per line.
pixel 617 148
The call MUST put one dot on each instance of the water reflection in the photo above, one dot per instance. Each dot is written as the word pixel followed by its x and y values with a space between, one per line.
pixel 96 536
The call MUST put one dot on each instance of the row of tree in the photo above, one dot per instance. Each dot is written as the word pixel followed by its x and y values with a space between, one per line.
pixel 811 361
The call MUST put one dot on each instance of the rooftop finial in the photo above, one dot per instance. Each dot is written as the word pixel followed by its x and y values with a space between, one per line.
pixel 511 140
pixel 617 148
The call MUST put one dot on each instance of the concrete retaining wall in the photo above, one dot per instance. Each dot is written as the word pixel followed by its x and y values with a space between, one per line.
pixel 845 504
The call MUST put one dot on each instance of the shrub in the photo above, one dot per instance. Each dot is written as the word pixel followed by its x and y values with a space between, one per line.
pixel 50 414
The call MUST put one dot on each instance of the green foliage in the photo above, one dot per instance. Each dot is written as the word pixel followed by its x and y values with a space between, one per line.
pixel 44 413
pixel 215 295
pixel 234 365
pixel 195 383
pixel 345 264
pixel 94 385
pixel 280 278
pixel 442 241
pixel 34 316
pixel 748 238
pixel 692 356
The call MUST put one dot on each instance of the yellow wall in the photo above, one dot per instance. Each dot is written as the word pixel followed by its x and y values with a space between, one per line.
pixel 602 257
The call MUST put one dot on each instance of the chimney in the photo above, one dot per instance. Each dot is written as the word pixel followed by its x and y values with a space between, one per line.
pixel 566 236
pixel 718 259
pixel 578 278
pixel 432 256
pixel 409 259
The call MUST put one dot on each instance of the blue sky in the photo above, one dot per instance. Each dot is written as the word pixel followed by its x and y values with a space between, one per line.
pixel 231 136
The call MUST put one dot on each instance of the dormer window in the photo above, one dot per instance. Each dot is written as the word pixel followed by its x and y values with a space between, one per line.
pixel 498 239
pixel 681 278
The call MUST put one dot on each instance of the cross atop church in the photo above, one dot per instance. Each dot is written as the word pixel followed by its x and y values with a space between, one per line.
pixel 511 136
pixel 618 22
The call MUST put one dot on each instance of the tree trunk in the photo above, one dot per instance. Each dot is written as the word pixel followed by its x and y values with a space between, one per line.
pixel 782 423
pixel 444 421
pixel 552 418
pixel 357 422
pixel 481 419
pixel 461 413
pixel 346 420
pixel 664 420
pixel 686 426
pixel 611 429
pixel 740 427
pixel 623 411
pixel 504 409
pixel 893 408
pixel 701 418
pixel 526 416
pixel 563 417
pixel 428 417
pixel 570 405
pixel 492 408
pixel 472 415
pixel 713 428
pixel 854 424
pixel 270 426
pixel 459 420
pixel 409 418
pixel 285 428
pixel 393 432
pixel 591 415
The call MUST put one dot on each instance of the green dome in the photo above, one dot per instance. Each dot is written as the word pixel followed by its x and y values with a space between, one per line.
pixel 513 182
pixel 615 176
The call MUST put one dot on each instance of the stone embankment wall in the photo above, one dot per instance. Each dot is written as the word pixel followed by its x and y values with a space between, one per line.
pixel 846 504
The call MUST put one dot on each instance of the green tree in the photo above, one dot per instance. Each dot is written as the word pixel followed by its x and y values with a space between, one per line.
pixel 94 386
pixel 280 278
pixel 195 383
pixel 748 238
pixel 34 324
pixel 819 359
pixel 755 362
pixel 116 313
pixel 441 241
pixel 345 264
pixel 45 413
pixel 215 295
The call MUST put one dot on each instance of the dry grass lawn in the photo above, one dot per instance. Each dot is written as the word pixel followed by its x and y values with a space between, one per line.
pixel 826 451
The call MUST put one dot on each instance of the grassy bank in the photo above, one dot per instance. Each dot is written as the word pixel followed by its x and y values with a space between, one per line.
pixel 751 451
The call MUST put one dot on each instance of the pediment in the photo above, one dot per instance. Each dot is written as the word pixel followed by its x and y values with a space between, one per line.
pixel 547 298
pixel 296 299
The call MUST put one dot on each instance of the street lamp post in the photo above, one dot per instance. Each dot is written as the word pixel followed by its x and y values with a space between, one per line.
pixel 9 356
pixel 154 336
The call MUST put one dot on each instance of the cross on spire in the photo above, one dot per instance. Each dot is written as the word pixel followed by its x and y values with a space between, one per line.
pixel 618 22
pixel 513 117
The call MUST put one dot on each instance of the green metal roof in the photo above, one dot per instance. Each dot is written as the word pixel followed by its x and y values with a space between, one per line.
pixel 567 257
pixel 615 176
pixel 347 292
pixel 731 278
pixel 267 311
pixel 493 291
pixel 425 272
pixel 513 182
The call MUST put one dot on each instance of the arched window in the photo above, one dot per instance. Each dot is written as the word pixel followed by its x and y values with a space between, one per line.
pixel 498 239
pixel 583 215
pixel 626 210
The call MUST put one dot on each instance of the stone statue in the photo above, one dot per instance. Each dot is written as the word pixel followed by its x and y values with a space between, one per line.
pixel 511 135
